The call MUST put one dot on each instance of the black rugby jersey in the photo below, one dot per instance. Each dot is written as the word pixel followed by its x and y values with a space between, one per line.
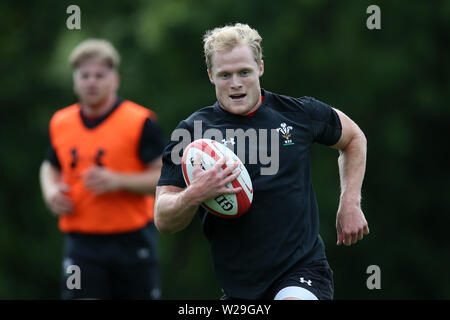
pixel 281 227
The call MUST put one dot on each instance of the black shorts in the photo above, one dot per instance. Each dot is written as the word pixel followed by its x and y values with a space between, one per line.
pixel 316 277
pixel 114 266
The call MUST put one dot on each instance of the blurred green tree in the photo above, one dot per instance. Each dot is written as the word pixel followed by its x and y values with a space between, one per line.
pixel 393 82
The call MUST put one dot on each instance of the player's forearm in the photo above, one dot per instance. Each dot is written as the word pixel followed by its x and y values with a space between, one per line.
pixel 174 211
pixel 48 178
pixel 352 167
pixel 144 183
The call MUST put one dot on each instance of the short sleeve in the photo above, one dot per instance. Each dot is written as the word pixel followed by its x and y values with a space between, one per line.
pixel 51 155
pixel 325 123
pixel 152 141
pixel 171 172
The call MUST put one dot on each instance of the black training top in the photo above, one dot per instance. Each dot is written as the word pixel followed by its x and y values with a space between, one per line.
pixel 282 225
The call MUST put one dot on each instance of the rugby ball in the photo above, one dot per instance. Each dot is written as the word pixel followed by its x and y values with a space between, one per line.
pixel 225 205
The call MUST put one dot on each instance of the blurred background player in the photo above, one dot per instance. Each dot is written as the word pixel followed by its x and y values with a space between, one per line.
pixel 273 251
pixel 99 178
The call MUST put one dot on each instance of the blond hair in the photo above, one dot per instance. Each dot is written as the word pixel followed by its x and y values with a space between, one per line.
pixel 225 38
pixel 95 48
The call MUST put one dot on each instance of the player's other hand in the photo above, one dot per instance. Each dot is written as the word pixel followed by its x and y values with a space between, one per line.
pixel 351 225
pixel 57 199
pixel 100 180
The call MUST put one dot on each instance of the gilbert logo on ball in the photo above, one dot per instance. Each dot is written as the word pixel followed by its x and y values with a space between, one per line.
pixel 225 205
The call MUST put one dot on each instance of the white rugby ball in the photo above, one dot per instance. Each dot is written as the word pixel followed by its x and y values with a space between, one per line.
pixel 225 205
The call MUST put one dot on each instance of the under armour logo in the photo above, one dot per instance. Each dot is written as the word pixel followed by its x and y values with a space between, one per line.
pixel 74 154
pixel 309 282
pixel 225 142
pixel 143 253
pixel 98 159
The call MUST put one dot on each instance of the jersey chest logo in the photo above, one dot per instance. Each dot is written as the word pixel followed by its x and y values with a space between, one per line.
pixel 75 158
pixel 285 133
pixel 225 142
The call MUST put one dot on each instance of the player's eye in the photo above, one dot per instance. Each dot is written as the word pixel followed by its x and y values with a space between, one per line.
pixel 224 75
pixel 245 73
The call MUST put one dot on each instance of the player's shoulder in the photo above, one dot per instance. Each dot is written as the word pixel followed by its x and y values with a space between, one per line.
pixel 138 110
pixel 287 103
pixel 305 104
pixel 205 114
pixel 65 114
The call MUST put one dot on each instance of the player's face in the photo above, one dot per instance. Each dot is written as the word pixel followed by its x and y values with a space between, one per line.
pixel 95 82
pixel 235 75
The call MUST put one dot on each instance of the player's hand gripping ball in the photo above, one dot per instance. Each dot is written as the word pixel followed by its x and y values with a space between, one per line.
pixel 225 205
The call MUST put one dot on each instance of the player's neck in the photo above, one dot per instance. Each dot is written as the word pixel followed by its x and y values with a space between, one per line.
pixel 255 107
pixel 99 109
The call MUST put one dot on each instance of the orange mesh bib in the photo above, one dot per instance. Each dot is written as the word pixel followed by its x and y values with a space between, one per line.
pixel 113 144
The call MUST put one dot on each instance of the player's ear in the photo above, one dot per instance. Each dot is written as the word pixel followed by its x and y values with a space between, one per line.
pixel 116 79
pixel 261 68
pixel 75 81
pixel 210 76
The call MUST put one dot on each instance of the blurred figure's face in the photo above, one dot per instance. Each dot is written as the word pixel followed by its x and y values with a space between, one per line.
pixel 235 75
pixel 95 83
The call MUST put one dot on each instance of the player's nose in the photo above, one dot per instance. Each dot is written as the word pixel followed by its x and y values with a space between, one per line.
pixel 235 82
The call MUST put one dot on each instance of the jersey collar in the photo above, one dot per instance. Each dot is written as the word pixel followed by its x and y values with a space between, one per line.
pixel 264 93
pixel 92 124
